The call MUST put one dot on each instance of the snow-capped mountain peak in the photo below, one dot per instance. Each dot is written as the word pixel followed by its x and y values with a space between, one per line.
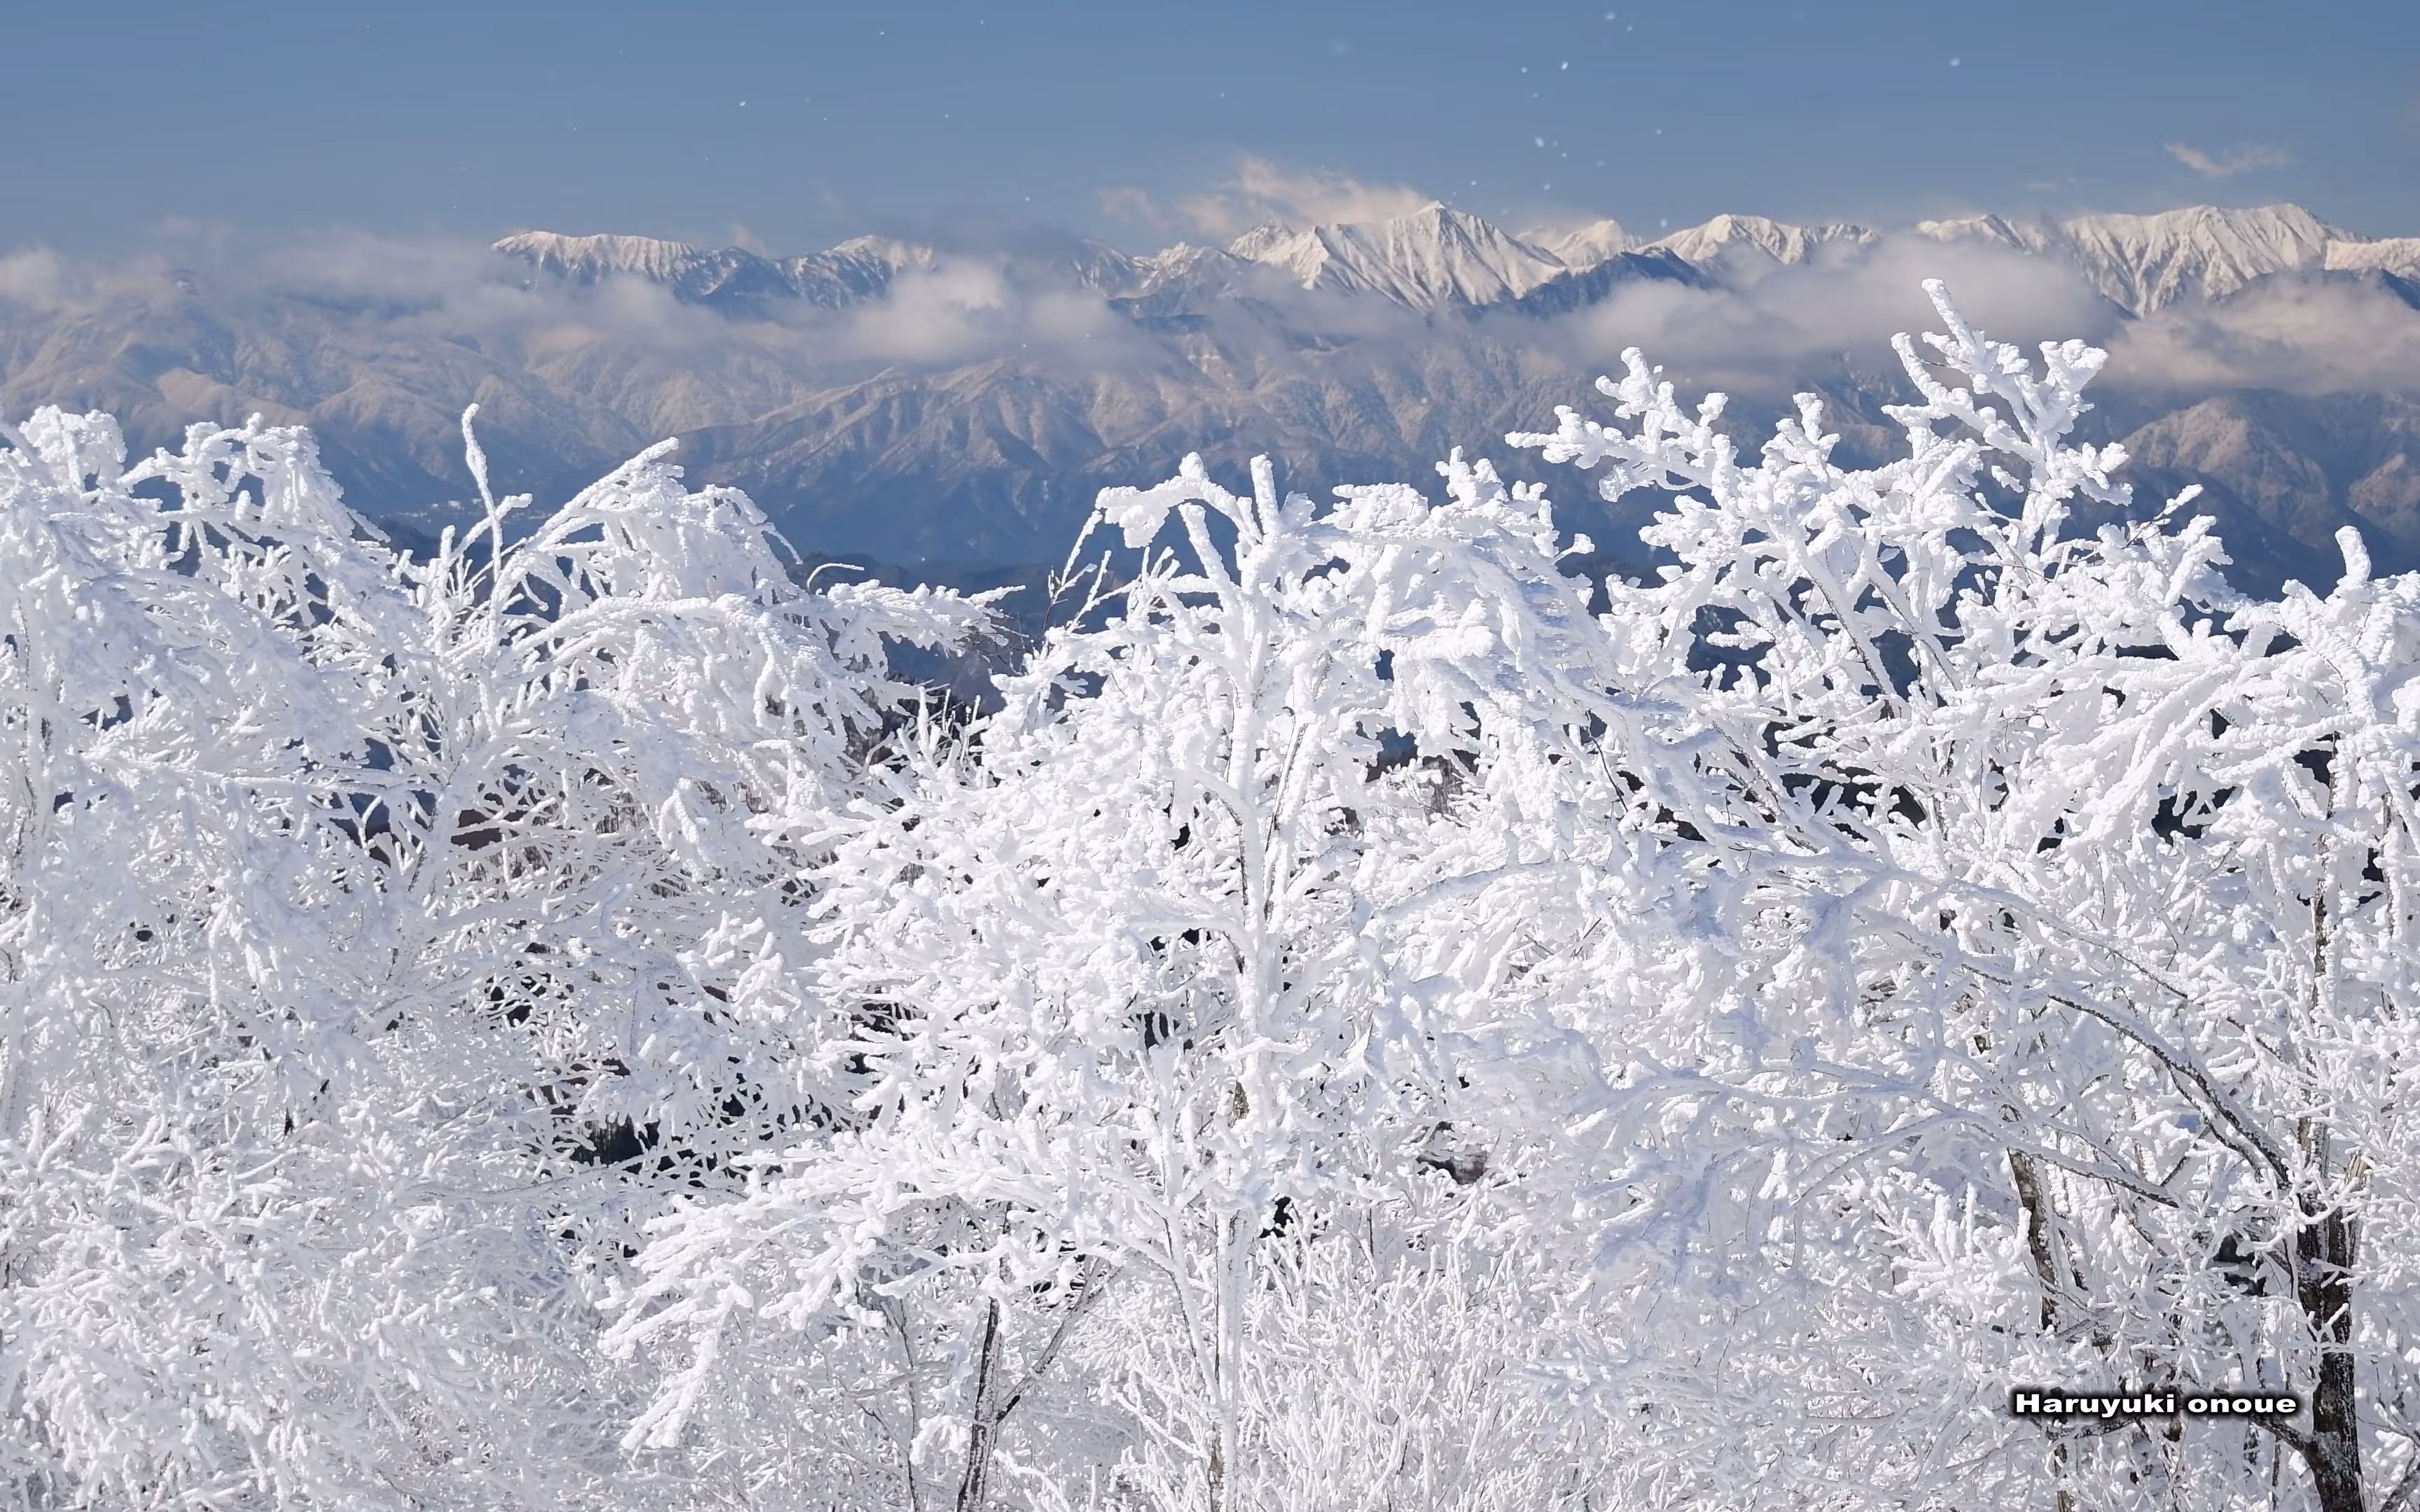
pixel 1441 257
pixel 1253 244
pixel 862 267
pixel 1436 255
pixel 703 274
pixel 1582 244
pixel 588 258
pixel 1726 237
pixel 2146 262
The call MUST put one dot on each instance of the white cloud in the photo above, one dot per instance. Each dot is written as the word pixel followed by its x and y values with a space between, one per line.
pixel 963 308
pixel 1263 190
pixel 40 280
pixel 1127 203
pixel 1766 336
pixel 949 313
pixel 2306 338
pixel 37 277
pixel 2251 157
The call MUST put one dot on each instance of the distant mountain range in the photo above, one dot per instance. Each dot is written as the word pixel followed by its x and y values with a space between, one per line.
pixel 955 411
pixel 1441 257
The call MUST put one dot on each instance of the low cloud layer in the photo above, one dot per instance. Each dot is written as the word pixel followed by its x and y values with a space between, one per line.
pixel 1760 334
pixel 41 280
pixel 966 307
pixel 2350 336
pixel 1768 334
pixel 1765 336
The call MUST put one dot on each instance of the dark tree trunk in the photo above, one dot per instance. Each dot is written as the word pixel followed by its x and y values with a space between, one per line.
pixel 2325 1253
pixel 2327 1245
pixel 2039 1239
pixel 982 1422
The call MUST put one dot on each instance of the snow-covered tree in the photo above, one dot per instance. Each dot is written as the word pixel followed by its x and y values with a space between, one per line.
pixel 2031 1008
pixel 1388 1362
pixel 351 906
pixel 1168 955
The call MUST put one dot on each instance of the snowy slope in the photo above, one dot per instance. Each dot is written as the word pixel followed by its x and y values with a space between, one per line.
pixel 1434 256
pixel 1729 237
pixel 2144 263
pixel 1582 244
pixel 691 272
pixel 2147 262
pixel 852 272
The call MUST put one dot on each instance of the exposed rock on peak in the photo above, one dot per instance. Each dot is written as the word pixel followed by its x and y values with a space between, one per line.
pixel 1593 284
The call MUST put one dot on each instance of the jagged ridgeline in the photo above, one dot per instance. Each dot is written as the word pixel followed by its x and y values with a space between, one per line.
pixel 954 409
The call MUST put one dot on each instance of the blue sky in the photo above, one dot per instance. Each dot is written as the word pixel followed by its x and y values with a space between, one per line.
pixel 794 126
